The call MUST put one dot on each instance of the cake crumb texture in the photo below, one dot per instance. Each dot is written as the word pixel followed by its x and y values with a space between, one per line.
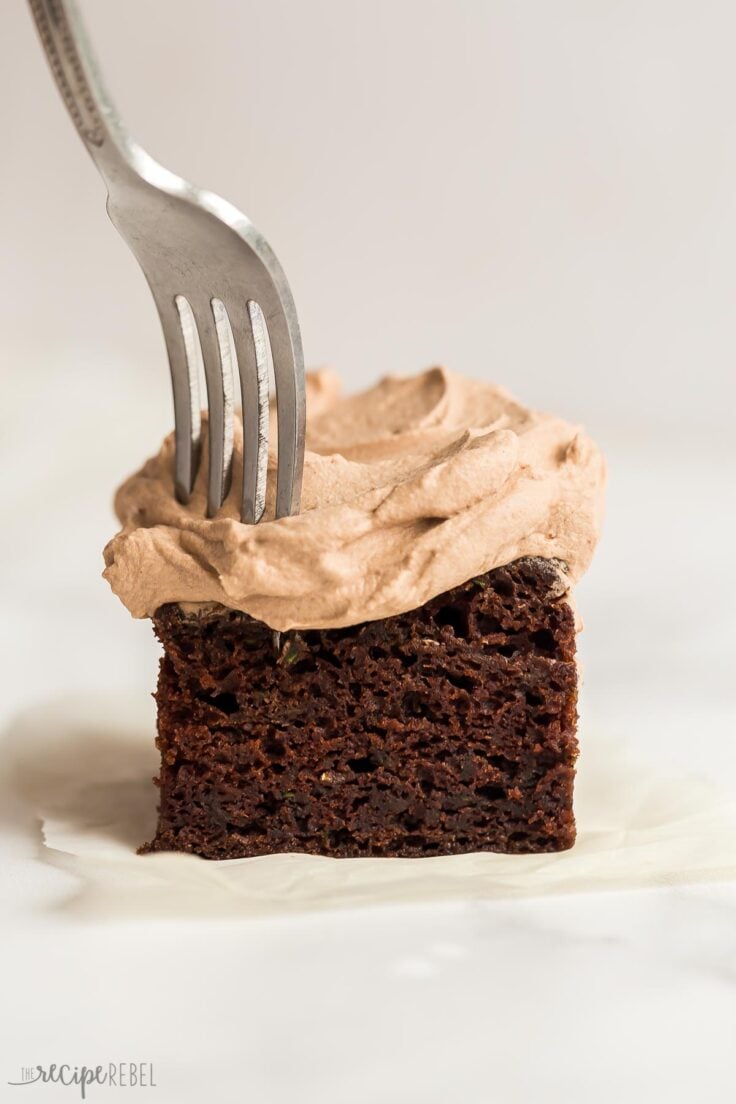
pixel 444 730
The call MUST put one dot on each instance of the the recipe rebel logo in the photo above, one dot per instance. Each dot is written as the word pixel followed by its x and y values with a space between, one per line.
pixel 111 1075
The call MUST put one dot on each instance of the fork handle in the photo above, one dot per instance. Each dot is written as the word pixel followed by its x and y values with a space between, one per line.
pixel 73 67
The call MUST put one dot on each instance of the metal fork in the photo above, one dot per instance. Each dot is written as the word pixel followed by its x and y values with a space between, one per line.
pixel 221 294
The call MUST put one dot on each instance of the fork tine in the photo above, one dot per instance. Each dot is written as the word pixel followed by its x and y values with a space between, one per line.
pixel 219 379
pixel 185 385
pixel 251 351
pixel 288 370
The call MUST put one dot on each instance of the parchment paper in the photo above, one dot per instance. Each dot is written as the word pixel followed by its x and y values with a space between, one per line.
pixel 84 770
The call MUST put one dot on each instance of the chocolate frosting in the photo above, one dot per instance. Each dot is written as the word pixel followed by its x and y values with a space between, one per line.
pixel 410 488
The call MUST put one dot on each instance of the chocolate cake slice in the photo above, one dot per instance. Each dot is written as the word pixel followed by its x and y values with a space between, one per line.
pixel 444 730
pixel 392 670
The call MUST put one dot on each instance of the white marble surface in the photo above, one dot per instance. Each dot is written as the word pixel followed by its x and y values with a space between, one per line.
pixel 616 996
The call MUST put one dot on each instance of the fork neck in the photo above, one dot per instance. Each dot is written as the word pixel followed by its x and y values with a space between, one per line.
pixel 77 78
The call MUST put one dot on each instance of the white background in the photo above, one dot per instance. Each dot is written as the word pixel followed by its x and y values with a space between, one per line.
pixel 543 191
pixel 539 193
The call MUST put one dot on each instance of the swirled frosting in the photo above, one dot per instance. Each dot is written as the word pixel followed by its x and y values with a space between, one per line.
pixel 410 488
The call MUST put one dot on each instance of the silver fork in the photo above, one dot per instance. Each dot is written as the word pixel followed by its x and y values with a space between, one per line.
pixel 221 294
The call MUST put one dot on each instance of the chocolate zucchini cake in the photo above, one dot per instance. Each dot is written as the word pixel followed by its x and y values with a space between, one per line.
pixel 391 672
